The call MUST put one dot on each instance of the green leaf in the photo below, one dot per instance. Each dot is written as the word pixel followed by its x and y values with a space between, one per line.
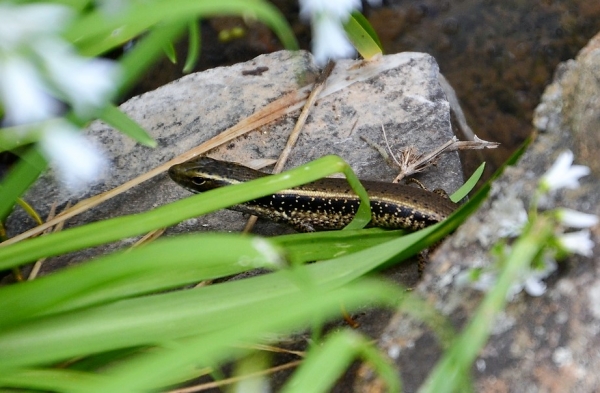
pixel 220 303
pixel 169 51
pixel 18 180
pixel 315 246
pixel 58 380
pixel 193 47
pixel 13 137
pixel 145 52
pixel 362 35
pixel 469 185
pixel 97 33
pixel 291 310
pixel 119 120
pixel 149 269
pixel 324 364
pixel 114 229
pixel 202 312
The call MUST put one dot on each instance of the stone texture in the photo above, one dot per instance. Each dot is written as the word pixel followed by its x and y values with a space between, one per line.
pixel 542 344
pixel 400 92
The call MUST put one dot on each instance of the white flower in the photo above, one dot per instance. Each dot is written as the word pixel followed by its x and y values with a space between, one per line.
pixel 535 287
pixel 38 72
pixel 77 160
pixel 509 216
pixel 329 40
pixel 577 242
pixel 85 83
pixel 531 280
pixel 575 219
pixel 19 25
pixel 563 174
pixel 336 8
pixel 327 18
pixel 38 69
pixel 22 92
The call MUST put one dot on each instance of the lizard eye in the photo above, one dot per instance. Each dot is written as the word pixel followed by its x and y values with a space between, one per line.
pixel 198 181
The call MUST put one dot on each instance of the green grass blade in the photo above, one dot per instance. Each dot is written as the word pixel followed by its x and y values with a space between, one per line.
pixel 97 33
pixel 217 300
pixel 291 310
pixel 305 247
pixel 160 318
pixel 145 51
pixel 325 363
pixel 469 185
pixel 18 180
pixel 362 35
pixel 134 322
pixel 152 268
pixel 57 380
pixel 169 51
pixel 122 227
pixel 193 47
pixel 113 116
pixel 17 136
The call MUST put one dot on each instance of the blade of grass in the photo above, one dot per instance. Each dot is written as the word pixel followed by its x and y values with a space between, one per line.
pixel 161 318
pixel 458 360
pixel 122 227
pixel 193 47
pixel 113 116
pixel 169 51
pixel 96 33
pixel 58 380
pixel 130 321
pixel 362 35
pixel 316 246
pixel 145 51
pixel 19 179
pixel 466 188
pixel 165 365
pixel 325 363
pixel 137 272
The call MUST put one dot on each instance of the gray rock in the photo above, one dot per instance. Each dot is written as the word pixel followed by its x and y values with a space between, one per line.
pixel 400 92
pixel 540 344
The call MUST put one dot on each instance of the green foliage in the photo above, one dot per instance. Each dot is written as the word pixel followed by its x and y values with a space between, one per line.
pixel 131 321
pixel 120 297
pixel 19 179
pixel 122 227
pixel 114 117
pixel 156 24
pixel 362 35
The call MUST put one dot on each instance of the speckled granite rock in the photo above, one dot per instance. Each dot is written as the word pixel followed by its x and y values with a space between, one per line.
pixel 542 344
pixel 406 99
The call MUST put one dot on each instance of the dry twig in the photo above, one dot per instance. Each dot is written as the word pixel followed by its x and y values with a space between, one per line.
pixel 409 161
